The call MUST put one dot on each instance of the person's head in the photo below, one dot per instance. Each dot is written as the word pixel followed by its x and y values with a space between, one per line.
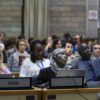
pixel 84 51
pixel 60 57
pixel 77 39
pixel 36 49
pixel 10 43
pixel 30 39
pixel 57 43
pixel 21 37
pixel 54 36
pixel 44 42
pixel 68 48
pixel 96 50
pixel 21 45
pixel 67 36
pixel 49 40
pixel 1 36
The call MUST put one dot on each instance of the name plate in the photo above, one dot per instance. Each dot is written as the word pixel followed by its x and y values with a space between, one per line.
pixel 16 83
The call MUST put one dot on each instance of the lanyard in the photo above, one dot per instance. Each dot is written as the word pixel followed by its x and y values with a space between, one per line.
pixel 40 66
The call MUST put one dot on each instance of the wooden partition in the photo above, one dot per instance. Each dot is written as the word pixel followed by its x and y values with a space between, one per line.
pixel 27 94
pixel 71 94
pixel 51 94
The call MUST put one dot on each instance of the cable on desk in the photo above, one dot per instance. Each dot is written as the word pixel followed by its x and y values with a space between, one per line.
pixel 85 98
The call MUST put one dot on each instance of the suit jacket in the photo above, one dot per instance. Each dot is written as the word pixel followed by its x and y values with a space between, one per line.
pixel 96 69
pixel 84 65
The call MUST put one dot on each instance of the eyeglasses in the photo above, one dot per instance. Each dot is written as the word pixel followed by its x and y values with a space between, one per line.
pixel 97 48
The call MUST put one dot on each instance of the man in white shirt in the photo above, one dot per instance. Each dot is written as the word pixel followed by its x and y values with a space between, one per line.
pixel 31 67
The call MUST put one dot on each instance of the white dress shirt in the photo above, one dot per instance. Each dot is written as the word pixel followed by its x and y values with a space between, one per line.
pixel 29 69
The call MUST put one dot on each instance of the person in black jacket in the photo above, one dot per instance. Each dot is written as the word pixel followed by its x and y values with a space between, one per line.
pixel 57 61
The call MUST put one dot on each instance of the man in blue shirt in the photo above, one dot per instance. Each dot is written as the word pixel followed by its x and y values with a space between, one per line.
pixel 84 62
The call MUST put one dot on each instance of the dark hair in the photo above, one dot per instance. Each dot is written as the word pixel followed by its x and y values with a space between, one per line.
pixel 30 39
pixel 81 49
pixel 55 42
pixel 17 43
pixel 69 41
pixel 94 45
pixel 44 41
pixel 67 35
pixel 54 37
pixel 32 46
pixel 21 36
pixel 9 42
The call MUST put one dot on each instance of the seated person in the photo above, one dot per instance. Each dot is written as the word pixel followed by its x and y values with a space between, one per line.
pixel 57 61
pixel 3 68
pixel 96 69
pixel 84 62
pixel 16 59
pixel 95 51
pixel 31 67
pixel 68 48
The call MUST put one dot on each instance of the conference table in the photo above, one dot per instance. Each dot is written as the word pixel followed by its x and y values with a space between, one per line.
pixel 51 94
pixel 25 94
pixel 71 94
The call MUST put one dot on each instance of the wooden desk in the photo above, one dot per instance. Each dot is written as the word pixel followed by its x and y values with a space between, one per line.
pixel 71 94
pixel 27 94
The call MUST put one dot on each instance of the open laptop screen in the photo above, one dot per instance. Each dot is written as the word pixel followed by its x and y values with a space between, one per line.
pixel 68 78
pixel 71 72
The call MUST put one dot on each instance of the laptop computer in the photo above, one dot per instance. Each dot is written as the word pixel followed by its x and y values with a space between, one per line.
pixel 68 78
pixel 71 73
pixel 93 84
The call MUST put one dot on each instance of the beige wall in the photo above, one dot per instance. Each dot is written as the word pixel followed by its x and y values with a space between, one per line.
pixel 93 24
pixel 10 17
pixel 55 17
pixel 43 17
pixel 67 16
